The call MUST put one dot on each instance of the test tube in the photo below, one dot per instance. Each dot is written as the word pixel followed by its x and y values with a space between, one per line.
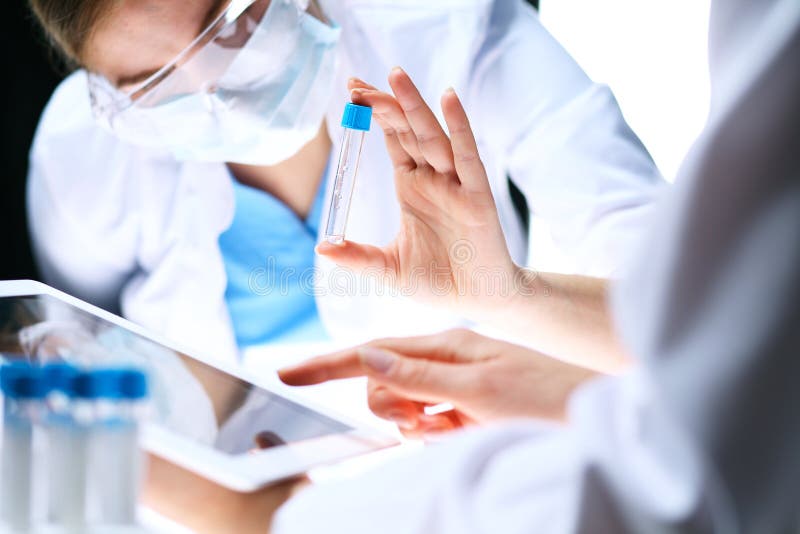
pixel 117 451
pixel 61 432
pixel 24 390
pixel 356 122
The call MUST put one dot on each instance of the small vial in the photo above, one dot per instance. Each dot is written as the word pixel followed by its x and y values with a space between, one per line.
pixel 64 442
pixel 70 464
pixel 116 449
pixel 24 390
pixel 356 122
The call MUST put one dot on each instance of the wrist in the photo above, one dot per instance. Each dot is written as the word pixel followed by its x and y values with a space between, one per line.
pixel 509 297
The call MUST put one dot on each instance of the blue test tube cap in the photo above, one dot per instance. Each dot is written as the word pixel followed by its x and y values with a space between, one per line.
pixel 12 369
pixel 98 384
pixel 60 377
pixel 9 372
pixel 23 381
pixel 357 117
pixel 133 384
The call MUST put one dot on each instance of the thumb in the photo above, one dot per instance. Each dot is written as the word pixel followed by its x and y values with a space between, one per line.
pixel 419 378
pixel 355 256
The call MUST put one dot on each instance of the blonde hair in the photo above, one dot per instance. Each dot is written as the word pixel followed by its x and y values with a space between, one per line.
pixel 68 24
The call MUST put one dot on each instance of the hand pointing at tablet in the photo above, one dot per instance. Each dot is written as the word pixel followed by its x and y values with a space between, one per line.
pixel 484 379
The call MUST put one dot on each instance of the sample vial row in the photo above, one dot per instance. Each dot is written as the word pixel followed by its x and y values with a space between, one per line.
pixel 71 460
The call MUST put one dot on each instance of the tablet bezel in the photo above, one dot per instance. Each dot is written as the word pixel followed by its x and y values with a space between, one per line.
pixel 243 472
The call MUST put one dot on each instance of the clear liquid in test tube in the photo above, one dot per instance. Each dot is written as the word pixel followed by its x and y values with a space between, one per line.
pixel 356 123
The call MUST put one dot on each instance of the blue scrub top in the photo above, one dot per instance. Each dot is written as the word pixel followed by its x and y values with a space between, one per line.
pixel 268 253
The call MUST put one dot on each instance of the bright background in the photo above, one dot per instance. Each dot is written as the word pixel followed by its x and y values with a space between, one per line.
pixel 653 55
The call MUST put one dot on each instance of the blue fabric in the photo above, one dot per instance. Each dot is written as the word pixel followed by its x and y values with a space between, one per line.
pixel 269 259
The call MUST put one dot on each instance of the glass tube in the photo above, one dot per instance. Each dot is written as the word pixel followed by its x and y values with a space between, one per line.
pixel 343 185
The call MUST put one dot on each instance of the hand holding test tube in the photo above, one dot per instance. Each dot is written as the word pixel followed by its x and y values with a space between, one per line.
pixel 356 122
pixel 449 226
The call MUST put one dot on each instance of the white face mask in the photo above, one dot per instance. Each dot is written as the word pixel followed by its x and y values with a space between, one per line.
pixel 261 108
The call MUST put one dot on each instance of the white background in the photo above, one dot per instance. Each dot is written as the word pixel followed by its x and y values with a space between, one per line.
pixel 653 55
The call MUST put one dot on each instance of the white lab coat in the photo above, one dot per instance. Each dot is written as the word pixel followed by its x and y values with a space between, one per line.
pixel 135 231
pixel 704 435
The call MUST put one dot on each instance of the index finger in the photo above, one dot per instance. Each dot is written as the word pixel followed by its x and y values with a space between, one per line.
pixel 400 141
pixel 446 347
pixel 336 366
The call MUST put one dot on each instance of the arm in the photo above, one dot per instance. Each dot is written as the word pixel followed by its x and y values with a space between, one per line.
pixel 83 245
pixel 208 508
pixel 566 316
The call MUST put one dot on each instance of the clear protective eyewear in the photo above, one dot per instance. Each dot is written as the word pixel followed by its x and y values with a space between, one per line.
pixel 201 65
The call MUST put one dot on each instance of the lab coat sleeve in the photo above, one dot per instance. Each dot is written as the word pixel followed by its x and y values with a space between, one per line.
pixel 179 288
pixel 522 477
pixel 563 141
pixel 128 229
pixel 88 253
pixel 703 435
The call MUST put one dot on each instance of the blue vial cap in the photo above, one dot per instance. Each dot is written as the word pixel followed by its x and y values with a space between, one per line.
pixel 21 381
pixel 60 377
pixel 11 368
pixel 9 371
pixel 133 384
pixel 357 117
pixel 101 384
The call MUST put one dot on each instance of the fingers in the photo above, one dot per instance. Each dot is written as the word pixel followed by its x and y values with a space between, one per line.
pixel 411 120
pixel 409 415
pixel 431 427
pixel 358 83
pixel 419 378
pixel 267 439
pixel 400 141
pixel 468 163
pixel 453 347
pixel 410 124
pixel 431 138
pixel 388 405
pixel 356 256
pixel 389 115
pixel 336 366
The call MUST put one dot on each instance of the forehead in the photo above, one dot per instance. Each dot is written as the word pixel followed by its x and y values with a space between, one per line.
pixel 140 36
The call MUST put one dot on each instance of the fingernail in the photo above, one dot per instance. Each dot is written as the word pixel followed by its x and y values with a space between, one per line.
pixel 402 420
pixel 376 359
pixel 397 69
pixel 450 90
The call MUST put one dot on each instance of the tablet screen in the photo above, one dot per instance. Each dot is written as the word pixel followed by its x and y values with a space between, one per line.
pixel 188 396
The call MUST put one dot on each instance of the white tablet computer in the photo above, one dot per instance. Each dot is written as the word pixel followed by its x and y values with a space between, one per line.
pixel 213 420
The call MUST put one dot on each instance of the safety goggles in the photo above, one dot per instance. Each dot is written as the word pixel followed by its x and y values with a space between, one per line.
pixel 199 67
